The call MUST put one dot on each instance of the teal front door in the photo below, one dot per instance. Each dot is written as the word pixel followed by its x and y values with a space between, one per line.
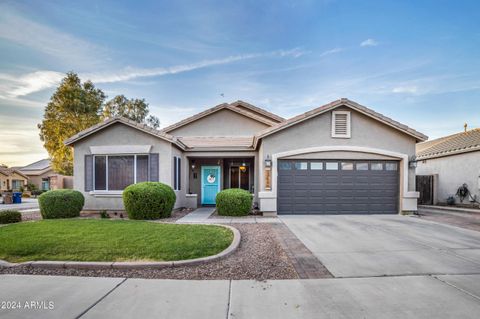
pixel 210 184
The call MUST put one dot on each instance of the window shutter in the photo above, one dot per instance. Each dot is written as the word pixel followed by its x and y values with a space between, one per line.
pixel 341 124
pixel 175 175
pixel 154 167
pixel 88 173
pixel 179 173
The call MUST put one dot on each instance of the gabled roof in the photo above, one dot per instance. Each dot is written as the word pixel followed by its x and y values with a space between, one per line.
pixel 458 143
pixel 217 142
pixel 37 166
pixel 110 121
pixel 333 105
pixel 10 171
pixel 266 118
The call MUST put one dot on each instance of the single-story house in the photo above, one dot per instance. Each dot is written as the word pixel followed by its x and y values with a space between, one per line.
pixel 340 158
pixel 11 179
pixel 42 175
pixel 446 163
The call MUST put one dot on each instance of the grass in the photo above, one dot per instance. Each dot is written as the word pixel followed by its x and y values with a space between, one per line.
pixel 110 240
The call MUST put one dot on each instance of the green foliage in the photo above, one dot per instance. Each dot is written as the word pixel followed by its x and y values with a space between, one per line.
pixel 61 203
pixel 234 202
pixel 31 186
pixel 37 192
pixel 10 216
pixel 148 200
pixel 133 109
pixel 104 214
pixel 72 108
pixel 110 240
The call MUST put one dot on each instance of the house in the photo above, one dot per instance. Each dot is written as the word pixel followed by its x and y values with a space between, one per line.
pixel 11 179
pixel 340 158
pixel 42 175
pixel 447 163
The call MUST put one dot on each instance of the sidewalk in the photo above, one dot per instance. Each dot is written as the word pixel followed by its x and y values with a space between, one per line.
pixel 30 204
pixel 377 297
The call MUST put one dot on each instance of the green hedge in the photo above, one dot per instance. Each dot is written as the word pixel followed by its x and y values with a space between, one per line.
pixel 10 216
pixel 61 203
pixel 234 202
pixel 149 200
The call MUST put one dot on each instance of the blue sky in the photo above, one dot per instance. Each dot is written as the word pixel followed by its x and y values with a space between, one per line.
pixel 415 61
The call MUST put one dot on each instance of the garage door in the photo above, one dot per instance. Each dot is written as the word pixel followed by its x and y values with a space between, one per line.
pixel 337 187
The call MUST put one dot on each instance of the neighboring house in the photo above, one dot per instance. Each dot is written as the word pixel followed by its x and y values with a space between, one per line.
pixel 44 177
pixel 339 158
pixel 451 161
pixel 11 179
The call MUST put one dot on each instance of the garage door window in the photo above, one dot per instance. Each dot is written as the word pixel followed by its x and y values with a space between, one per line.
pixel 301 165
pixel 346 166
pixel 316 166
pixel 377 166
pixel 362 166
pixel 391 166
pixel 284 166
pixel 331 166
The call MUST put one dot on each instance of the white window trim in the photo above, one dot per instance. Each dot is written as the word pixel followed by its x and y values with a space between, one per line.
pixel 106 191
pixel 349 126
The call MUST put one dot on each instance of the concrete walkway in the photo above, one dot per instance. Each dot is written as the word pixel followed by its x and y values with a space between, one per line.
pixel 199 215
pixel 202 214
pixel 456 296
pixel 30 204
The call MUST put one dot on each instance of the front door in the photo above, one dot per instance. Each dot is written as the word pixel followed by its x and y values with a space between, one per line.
pixel 210 184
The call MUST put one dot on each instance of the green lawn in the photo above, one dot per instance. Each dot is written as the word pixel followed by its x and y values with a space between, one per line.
pixel 109 240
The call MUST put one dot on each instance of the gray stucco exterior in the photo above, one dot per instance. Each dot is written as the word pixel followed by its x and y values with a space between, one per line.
pixel 371 139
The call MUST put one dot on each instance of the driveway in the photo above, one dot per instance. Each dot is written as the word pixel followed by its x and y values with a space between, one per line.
pixel 379 245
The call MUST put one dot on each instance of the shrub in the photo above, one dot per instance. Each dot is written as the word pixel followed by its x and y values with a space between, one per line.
pixel 234 202
pixel 148 200
pixel 61 203
pixel 37 192
pixel 10 216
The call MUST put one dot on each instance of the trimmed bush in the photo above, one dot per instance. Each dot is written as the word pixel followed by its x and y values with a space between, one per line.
pixel 234 202
pixel 61 203
pixel 149 200
pixel 10 216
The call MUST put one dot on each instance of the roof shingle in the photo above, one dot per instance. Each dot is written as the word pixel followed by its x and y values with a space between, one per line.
pixel 458 143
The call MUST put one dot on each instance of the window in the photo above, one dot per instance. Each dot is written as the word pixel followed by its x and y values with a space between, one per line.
pixel 331 166
pixel 115 172
pixel 177 169
pixel 16 184
pixel 316 165
pixel 284 166
pixel 347 166
pixel 341 127
pixel 45 184
pixel 376 166
pixel 301 165
pixel 391 166
pixel 362 166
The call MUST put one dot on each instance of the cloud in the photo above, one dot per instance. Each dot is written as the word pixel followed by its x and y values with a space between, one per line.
pixel 332 51
pixel 405 89
pixel 369 43
pixel 11 86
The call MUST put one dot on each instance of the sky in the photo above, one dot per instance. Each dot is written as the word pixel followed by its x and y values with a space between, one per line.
pixel 415 61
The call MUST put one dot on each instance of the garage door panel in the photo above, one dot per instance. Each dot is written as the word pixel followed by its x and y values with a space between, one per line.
pixel 303 190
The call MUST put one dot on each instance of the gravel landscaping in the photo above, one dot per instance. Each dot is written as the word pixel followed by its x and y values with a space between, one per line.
pixel 259 257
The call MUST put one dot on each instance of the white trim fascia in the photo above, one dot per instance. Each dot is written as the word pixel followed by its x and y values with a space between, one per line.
pixel 120 149
pixel 349 124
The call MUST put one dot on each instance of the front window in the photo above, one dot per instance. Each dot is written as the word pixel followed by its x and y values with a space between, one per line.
pixel 116 172
pixel 45 184
pixel 16 184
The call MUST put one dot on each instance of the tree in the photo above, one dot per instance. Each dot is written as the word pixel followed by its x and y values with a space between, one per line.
pixel 133 109
pixel 72 108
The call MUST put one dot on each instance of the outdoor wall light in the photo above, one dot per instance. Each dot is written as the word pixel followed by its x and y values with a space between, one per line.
pixel 412 162
pixel 243 167
pixel 268 161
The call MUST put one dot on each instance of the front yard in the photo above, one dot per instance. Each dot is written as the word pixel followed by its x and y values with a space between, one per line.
pixel 110 240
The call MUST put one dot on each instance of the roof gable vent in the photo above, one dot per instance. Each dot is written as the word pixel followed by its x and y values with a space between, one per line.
pixel 341 124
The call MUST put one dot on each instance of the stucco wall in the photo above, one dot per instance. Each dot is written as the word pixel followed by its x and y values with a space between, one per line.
pixel 221 123
pixel 4 185
pixel 120 134
pixel 452 172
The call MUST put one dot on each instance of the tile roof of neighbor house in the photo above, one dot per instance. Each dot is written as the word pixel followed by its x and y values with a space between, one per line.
pixel 10 171
pixel 458 143
pixel 217 142
pixel 113 120
pixel 332 105
pixel 265 117
pixel 37 166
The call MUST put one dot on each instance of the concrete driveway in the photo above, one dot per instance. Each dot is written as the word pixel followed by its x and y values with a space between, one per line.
pixel 379 245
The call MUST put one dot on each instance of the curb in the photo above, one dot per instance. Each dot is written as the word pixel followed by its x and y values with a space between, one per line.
pixel 131 264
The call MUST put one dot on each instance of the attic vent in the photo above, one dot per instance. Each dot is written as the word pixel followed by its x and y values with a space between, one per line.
pixel 341 124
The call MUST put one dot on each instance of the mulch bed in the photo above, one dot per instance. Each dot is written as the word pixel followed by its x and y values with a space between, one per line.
pixel 259 256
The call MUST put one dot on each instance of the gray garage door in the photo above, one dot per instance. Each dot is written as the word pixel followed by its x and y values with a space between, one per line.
pixel 337 187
